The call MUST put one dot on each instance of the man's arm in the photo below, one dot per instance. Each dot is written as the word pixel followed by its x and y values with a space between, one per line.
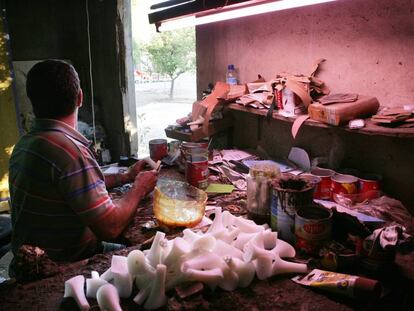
pixel 119 179
pixel 112 222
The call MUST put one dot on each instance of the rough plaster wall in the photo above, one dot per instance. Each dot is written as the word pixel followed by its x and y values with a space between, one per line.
pixel 368 46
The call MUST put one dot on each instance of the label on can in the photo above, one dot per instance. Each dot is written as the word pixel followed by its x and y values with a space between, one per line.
pixel 313 227
pixel 323 189
pixel 195 156
pixel 197 173
pixel 283 217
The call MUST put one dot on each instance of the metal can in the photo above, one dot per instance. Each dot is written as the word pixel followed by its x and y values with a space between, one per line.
pixel 369 186
pixel 313 226
pixel 158 149
pixel 285 202
pixel 344 189
pixel 196 164
pixel 323 189
pixel 316 183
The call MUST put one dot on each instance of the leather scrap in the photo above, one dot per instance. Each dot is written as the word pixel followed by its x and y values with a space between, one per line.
pixel 221 89
pixel 338 98
pixel 315 66
pixel 300 90
pixel 298 124
pixel 235 92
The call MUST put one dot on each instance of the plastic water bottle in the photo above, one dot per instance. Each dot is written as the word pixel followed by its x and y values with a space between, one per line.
pixel 231 76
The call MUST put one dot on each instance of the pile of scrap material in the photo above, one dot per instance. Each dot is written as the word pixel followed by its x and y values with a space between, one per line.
pixel 32 263
pixel 211 107
pixel 290 93
pixel 227 164
pixel 397 116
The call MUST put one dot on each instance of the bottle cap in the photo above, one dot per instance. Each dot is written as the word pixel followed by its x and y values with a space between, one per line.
pixel 230 67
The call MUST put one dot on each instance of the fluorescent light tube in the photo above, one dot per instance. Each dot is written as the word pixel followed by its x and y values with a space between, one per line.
pixel 236 13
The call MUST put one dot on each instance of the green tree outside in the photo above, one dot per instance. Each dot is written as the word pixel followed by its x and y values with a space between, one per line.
pixel 172 53
pixel 136 52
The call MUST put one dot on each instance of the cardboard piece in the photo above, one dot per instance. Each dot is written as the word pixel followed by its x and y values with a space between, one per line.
pixel 221 89
pixel 341 113
pixel 219 188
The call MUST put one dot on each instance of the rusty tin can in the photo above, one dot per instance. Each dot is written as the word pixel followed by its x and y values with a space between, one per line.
pixel 313 226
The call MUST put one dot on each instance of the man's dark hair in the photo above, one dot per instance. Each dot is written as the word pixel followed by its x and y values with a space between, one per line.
pixel 53 87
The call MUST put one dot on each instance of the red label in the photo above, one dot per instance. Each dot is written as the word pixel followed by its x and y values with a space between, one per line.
pixel 279 99
pixel 344 188
pixel 316 228
pixel 197 173
pixel 323 189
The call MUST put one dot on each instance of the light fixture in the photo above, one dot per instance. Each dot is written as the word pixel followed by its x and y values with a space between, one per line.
pixel 226 14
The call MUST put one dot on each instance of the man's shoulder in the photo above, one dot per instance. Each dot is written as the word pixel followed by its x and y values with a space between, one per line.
pixel 52 145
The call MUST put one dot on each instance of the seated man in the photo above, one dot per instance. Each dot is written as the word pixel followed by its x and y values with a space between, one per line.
pixel 58 192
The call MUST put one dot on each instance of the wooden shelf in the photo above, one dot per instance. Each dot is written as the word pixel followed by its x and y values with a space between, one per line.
pixel 213 128
pixel 370 127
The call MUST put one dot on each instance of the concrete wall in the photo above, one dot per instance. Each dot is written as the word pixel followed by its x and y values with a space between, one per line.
pixel 368 45
pixel 58 29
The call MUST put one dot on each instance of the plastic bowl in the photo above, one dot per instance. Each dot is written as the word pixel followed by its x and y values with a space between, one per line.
pixel 178 204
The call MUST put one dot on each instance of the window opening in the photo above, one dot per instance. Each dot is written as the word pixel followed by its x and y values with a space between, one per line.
pixel 164 73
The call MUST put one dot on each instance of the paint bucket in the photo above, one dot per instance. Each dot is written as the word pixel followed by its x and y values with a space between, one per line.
pixel 289 194
pixel 323 189
pixel 370 186
pixel 196 164
pixel 158 149
pixel 313 226
pixel 344 189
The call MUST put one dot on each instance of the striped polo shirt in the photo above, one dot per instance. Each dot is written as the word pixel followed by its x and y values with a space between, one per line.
pixel 57 189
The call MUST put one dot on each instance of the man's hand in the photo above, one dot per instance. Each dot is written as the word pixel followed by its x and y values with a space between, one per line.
pixel 135 169
pixel 146 181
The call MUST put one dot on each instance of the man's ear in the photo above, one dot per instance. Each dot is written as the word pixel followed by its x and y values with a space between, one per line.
pixel 80 99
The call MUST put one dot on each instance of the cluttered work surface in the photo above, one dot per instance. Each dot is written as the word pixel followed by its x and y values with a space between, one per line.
pixel 267 290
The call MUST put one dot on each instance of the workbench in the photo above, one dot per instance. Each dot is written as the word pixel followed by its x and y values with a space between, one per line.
pixel 276 293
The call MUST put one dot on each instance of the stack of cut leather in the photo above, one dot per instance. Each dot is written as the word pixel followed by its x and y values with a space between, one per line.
pixel 392 116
